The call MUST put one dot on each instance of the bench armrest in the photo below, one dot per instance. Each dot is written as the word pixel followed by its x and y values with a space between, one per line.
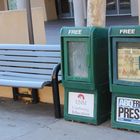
pixel 56 71
pixel 55 89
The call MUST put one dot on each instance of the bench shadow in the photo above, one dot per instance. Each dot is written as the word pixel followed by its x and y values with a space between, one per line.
pixel 26 108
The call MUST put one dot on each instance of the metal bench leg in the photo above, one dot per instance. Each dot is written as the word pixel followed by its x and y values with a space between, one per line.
pixel 55 90
pixel 56 99
pixel 34 95
pixel 35 98
pixel 15 93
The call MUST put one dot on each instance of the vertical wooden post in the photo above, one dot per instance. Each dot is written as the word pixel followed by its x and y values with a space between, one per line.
pixel 96 13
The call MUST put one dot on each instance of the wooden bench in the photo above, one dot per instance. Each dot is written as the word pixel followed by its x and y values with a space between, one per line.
pixel 31 66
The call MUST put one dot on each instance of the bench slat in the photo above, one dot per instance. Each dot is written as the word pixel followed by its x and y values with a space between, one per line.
pixel 21 82
pixel 34 76
pixel 26 70
pixel 30 47
pixel 27 64
pixel 30 59
pixel 29 53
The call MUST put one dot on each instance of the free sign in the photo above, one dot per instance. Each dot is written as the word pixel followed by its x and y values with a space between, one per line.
pixel 127 31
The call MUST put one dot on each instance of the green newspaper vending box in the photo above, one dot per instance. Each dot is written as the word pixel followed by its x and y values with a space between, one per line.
pixel 124 72
pixel 85 74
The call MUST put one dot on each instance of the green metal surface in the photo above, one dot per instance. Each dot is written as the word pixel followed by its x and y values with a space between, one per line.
pixel 124 31
pixel 96 80
pixel 96 53
pixel 114 34
pixel 101 105
pixel 126 34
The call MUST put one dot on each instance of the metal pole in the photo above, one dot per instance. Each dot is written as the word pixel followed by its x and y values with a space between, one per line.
pixel 138 11
pixel 29 20
pixel 79 13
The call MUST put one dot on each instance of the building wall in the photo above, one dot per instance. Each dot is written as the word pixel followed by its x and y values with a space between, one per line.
pixel 134 7
pixel 14 29
pixel 50 9
pixel 48 6
pixel 2 6
pixel 39 3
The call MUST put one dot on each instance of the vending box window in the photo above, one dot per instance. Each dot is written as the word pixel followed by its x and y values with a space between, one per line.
pixel 85 74
pixel 124 73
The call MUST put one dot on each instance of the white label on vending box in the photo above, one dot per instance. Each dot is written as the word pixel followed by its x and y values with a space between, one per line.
pixel 81 104
pixel 128 110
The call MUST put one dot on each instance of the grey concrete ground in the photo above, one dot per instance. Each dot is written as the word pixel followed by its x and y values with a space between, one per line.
pixel 21 121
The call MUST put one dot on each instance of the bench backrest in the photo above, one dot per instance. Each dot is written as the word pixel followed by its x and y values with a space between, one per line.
pixel 31 61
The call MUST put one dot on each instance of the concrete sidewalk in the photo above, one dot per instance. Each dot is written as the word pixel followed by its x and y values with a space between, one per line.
pixel 21 121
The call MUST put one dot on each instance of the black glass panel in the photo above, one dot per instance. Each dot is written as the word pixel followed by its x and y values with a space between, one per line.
pixel 111 7
pixel 124 7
